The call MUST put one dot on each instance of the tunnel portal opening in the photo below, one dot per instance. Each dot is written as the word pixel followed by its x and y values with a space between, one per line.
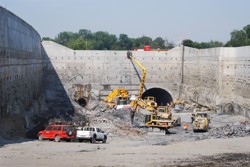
pixel 82 102
pixel 162 96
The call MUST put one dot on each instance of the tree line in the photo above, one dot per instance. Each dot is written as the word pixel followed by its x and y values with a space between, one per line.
pixel 238 38
pixel 86 40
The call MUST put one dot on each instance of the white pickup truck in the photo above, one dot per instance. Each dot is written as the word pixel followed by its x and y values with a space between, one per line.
pixel 92 134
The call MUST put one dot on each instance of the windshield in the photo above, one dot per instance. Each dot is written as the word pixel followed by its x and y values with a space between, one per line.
pixel 66 128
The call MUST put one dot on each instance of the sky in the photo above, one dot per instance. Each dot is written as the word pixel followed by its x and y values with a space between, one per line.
pixel 175 20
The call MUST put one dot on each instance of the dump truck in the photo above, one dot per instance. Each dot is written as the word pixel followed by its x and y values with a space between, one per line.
pixel 201 122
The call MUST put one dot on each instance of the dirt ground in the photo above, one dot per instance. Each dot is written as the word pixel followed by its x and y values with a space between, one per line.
pixel 226 144
pixel 127 152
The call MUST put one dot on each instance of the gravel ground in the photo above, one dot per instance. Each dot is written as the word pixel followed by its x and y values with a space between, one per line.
pixel 226 144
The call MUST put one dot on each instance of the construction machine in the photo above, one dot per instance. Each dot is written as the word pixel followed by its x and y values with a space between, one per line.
pixel 148 104
pixel 116 97
pixel 152 119
pixel 151 101
pixel 123 103
pixel 201 121
pixel 178 104
pixel 164 112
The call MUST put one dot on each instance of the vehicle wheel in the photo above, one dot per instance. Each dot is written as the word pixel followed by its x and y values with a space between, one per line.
pixel 70 132
pixel 105 139
pixel 179 122
pixel 207 128
pixel 40 137
pixel 93 139
pixel 57 138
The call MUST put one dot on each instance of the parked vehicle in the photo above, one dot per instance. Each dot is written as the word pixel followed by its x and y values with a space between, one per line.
pixel 92 134
pixel 57 133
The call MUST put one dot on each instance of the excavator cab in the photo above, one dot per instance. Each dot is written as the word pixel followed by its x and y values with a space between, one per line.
pixel 122 100
pixel 129 54
pixel 164 112
pixel 151 101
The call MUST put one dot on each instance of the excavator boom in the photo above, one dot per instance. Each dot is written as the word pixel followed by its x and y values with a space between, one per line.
pixel 129 56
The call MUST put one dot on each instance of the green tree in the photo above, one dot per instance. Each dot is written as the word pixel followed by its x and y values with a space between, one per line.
pixel 238 38
pixel 247 30
pixel 202 45
pixel 168 44
pixel 76 44
pixel 104 41
pixel 213 44
pixel 47 39
pixel 144 40
pixel 188 42
pixel 64 37
pixel 158 43
pixel 124 42
pixel 86 34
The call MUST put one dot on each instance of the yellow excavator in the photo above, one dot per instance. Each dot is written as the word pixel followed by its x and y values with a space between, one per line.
pixel 115 97
pixel 178 104
pixel 154 119
pixel 149 104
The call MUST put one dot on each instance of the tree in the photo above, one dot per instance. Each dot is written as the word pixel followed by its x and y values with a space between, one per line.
pixel 169 45
pixel 158 43
pixel 64 37
pixel 247 30
pixel 188 42
pixel 76 44
pixel 202 45
pixel 86 34
pixel 104 41
pixel 47 39
pixel 213 44
pixel 124 42
pixel 238 38
pixel 144 40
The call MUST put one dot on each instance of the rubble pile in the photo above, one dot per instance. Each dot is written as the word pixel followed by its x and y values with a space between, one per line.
pixel 114 122
pixel 227 131
pixel 118 122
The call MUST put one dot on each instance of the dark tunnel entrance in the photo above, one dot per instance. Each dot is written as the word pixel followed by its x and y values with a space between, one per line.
pixel 161 95
pixel 82 102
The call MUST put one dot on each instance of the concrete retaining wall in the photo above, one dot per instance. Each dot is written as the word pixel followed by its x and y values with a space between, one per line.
pixel 20 67
pixel 209 76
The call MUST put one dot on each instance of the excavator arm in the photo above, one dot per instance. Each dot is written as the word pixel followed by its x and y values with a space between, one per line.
pixel 129 56
pixel 115 96
pixel 115 93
